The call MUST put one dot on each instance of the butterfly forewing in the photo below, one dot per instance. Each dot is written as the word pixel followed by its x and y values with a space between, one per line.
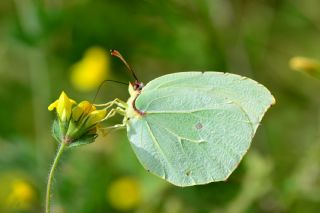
pixel 196 126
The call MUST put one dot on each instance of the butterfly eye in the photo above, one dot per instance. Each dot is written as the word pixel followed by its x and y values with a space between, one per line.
pixel 140 86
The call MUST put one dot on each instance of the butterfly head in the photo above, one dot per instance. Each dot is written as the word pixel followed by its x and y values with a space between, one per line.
pixel 135 88
pixel 137 85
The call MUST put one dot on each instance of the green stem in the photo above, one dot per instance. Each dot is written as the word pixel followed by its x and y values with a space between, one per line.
pixel 53 167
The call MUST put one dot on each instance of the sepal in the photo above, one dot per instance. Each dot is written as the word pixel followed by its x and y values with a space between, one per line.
pixel 56 131
pixel 86 139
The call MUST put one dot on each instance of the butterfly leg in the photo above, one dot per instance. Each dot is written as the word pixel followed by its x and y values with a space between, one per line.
pixel 106 130
pixel 120 109
pixel 117 126
pixel 116 101
pixel 112 113
pixel 115 111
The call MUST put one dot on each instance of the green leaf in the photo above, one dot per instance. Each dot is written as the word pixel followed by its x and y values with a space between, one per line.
pixel 86 139
pixel 197 126
pixel 56 131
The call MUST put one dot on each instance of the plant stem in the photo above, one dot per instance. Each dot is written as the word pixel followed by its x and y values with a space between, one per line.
pixel 53 167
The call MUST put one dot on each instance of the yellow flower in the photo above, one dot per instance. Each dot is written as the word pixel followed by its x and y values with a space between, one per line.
pixel 63 107
pixel 88 73
pixel 124 193
pixel 76 123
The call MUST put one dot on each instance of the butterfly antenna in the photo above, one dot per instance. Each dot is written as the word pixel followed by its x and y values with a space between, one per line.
pixel 118 55
pixel 102 83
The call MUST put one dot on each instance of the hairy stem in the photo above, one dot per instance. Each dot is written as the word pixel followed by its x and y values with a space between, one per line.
pixel 50 178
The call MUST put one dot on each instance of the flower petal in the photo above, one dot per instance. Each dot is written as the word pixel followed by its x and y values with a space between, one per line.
pixel 63 106
pixel 82 109
pixel 53 105
pixel 95 117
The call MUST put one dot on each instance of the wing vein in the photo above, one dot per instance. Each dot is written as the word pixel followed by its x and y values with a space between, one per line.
pixel 183 151
pixel 221 165
pixel 156 143
pixel 162 167
pixel 169 82
pixel 213 90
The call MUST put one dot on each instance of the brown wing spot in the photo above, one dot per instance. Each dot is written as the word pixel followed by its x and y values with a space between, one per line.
pixel 135 108
pixel 199 126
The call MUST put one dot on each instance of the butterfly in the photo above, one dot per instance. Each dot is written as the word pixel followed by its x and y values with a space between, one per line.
pixel 192 128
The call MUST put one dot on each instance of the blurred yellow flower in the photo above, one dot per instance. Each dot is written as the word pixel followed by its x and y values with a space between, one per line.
pixel 124 193
pixel 17 194
pixel 307 65
pixel 93 68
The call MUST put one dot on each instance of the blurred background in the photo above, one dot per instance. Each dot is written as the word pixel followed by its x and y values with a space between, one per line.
pixel 47 46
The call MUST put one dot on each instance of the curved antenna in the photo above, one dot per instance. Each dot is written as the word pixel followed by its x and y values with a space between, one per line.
pixel 118 55
pixel 102 83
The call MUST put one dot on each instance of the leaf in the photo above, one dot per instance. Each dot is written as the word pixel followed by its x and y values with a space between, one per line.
pixel 86 139
pixel 197 126
pixel 56 132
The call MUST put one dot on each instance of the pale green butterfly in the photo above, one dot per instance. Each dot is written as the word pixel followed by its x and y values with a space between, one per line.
pixel 192 128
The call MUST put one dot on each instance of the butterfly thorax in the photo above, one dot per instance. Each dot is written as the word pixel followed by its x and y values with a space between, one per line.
pixel 134 91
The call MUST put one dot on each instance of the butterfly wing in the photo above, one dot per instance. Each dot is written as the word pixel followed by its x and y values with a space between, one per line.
pixel 197 126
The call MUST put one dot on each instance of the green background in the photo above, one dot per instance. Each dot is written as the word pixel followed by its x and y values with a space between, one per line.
pixel 41 40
